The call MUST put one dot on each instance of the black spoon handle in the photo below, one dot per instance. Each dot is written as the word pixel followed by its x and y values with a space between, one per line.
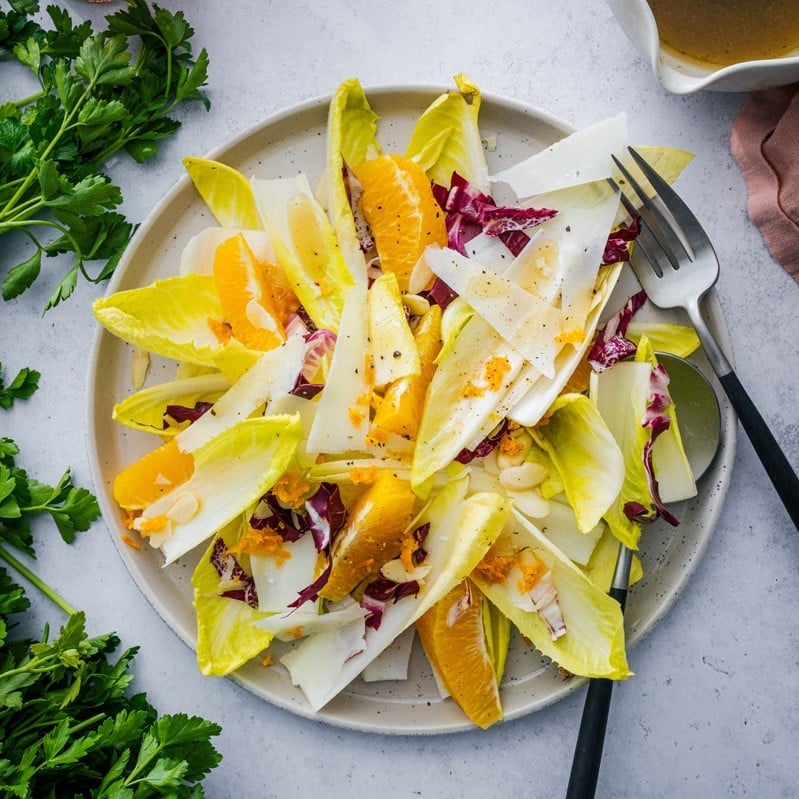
pixel 591 737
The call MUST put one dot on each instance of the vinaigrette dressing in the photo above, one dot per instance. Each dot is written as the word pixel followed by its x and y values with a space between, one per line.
pixel 724 32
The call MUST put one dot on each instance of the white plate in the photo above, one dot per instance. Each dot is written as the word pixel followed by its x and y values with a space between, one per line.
pixel 286 144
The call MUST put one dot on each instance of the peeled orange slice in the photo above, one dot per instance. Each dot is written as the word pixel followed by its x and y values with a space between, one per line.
pixel 245 295
pixel 453 638
pixel 372 536
pixel 157 472
pixel 404 217
pixel 400 410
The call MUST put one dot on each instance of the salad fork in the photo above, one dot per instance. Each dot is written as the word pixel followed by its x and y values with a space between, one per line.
pixel 676 267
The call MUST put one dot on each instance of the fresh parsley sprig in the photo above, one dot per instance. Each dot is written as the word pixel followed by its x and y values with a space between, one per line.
pixel 72 508
pixel 21 387
pixel 99 93
pixel 68 724
pixel 22 497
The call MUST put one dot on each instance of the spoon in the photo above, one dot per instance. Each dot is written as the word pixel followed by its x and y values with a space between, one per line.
pixel 700 430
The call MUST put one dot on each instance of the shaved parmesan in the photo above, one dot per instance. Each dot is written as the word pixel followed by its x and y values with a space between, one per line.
pixel 582 157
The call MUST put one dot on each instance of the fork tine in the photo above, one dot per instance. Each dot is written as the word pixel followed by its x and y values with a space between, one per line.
pixel 683 215
pixel 655 219
pixel 625 200
pixel 658 257
pixel 652 223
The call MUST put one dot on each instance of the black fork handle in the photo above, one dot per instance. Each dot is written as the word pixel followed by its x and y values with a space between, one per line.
pixel 765 445
pixel 772 457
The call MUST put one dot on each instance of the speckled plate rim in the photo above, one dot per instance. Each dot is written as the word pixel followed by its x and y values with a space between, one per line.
pixel 290 141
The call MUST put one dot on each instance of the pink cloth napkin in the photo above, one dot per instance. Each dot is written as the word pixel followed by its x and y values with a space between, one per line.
pixel 765 143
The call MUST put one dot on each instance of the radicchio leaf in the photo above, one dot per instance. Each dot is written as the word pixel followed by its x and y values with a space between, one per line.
pixel 611 344
pixel 470 212
pixel 657 421
pixel 230 570
pixel 420 553
pixel 326 514
pixel 306 320
pixel 271 514
pixel 440 293
pixel 380 592
pixel 323 515
pixel 618 244
pixel 181 413
pixel 319 345
pixel 489 443
pixel 311 592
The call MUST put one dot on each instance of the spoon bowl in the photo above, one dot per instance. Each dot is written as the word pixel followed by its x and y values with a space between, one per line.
pixel 698 411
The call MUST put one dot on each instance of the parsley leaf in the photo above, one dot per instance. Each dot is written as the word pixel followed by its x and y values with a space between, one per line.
pixel 67 719
pixel 100 92
pixel 21 387
pixel 72 508
pixel 67 716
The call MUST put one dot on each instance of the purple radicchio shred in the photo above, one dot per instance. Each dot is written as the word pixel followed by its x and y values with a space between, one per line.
pixel 440 293
pixel 270 514
pixel 374 609
pixel 380 592
pixel 420 534
pixel 617 247
pixel 323 515
pixel 656 420
pixel 181 413
pixel 326 515
pixel 636 512
pixel 318 345
pixel 471 211
pixel 309 323
pixel 489 443
pixel 306 390
pixel 611 344
pixel 500 219
pixel 229 570
pixel 311 592
pixel 515 241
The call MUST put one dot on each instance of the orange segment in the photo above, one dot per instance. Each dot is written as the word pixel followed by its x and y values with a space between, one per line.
pixel 154 474
pixel 372 536
pixel 453 639
pixel 398 203
pixel 400 410
pixel 245 296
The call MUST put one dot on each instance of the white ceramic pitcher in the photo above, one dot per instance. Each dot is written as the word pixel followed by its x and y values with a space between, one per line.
pixel 685 76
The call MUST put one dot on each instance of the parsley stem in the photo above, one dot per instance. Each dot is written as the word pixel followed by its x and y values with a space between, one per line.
pixel 86 724
pixel 29 206
pixel 35 580
pixel 27 100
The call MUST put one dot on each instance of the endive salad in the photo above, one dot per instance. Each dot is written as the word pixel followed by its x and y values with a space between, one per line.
pixel 398 380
